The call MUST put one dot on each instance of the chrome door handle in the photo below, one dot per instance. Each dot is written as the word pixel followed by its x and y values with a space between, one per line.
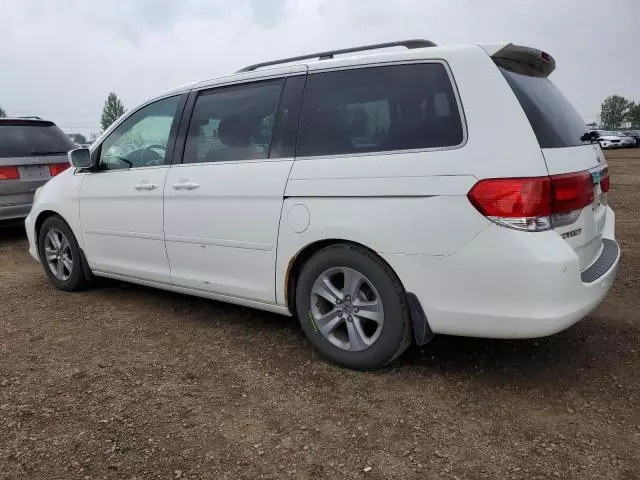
pixel 184 185
pixel 146 186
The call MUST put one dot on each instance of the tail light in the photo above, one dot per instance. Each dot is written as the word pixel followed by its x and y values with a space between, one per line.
pixel 57 168
pixel 9 173
pixel 533 204
pixel 605 183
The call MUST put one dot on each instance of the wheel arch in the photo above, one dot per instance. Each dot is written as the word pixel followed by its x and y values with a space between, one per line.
pixel 422 332
pixel 46 214
pixel 40 219
pixel 298 261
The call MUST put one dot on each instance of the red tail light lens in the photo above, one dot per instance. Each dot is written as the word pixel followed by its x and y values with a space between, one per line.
pixel 530 203
pixel 572 191
pixel 9 173
pixel 512 197
pixel 605 183
pixel 57 168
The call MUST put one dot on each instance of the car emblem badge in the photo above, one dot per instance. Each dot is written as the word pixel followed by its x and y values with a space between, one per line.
pixel 572 233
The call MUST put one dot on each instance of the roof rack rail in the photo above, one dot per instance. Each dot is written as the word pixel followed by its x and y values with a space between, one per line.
pixel 410 44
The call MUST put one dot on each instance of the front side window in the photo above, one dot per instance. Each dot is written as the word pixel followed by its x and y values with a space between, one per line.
pixel 233 123
pixel 378 109
pixel 142 139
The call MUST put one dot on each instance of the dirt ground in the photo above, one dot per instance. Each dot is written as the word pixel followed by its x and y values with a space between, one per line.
pixel 128 382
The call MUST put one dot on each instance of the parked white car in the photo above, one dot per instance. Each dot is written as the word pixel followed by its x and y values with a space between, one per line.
pixel 367 195
pixel 609 139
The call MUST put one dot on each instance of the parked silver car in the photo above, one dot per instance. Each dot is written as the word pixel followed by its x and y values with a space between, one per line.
pixel 31 152
pixel 635 134
pixel 626 141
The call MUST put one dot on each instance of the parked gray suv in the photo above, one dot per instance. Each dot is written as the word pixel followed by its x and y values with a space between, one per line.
pixel 31 152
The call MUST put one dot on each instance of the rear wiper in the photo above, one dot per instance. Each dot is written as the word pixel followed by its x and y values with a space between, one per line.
pixel 589 137
pixel 41 154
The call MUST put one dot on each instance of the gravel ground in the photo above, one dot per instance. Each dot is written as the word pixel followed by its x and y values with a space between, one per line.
pixel 128 382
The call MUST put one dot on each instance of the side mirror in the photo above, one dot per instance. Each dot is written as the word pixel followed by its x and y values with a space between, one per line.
pixel 80 158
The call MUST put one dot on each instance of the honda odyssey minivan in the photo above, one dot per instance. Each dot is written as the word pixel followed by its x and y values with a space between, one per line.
pixel 364 193
pixel 31 152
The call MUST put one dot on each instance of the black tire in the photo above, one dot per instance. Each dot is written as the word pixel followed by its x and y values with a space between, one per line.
pixel 76 279
pixel 395 335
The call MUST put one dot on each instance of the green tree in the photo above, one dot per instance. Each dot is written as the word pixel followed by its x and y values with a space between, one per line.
pixel 3 114
pixel 113 109
pixel 633 115
pixel 78 138
pixel 614 111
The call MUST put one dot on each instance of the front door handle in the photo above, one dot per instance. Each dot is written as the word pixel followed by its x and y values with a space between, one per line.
pixel 145 185
pixel 185 185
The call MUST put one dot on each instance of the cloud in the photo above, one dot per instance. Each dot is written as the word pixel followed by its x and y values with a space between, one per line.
pixel 60 58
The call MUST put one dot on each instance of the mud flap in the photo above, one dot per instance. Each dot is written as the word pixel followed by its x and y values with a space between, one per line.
pixel 421 329
pixel 86 271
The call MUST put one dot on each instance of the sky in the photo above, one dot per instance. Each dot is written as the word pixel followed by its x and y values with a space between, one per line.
pixel 59 59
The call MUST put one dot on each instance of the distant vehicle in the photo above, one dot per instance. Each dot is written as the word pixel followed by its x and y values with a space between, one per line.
pixel 635 134
pixel 626 141
pixel 366 195
pixel 608 139
pixel 31 152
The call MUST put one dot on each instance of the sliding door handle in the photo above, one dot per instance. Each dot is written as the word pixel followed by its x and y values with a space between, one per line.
pixel 146 186
pixel 184 185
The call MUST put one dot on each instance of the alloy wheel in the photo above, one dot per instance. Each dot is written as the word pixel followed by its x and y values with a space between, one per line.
pixel 59 258
pixel 347 309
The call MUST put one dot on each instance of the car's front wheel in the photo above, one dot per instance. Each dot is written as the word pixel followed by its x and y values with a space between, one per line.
pixel 353 308
pixel 60 255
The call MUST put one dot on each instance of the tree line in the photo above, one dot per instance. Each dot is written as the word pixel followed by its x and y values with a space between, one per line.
pixel 617 110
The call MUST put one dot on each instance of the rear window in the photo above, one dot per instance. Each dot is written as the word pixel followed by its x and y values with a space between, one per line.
pixel 27 139
pixel 379 109
pixel 554 120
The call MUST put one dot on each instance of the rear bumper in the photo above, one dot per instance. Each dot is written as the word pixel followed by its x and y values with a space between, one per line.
pixel 16 198
pixel 508 284
pixel 12 212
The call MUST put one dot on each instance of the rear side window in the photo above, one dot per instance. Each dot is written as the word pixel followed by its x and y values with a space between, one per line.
pixel 378 109
pixel 554 120
pixel 28 139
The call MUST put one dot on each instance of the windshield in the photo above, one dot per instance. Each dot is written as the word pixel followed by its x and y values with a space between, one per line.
pixel 553 119
pixel 27 139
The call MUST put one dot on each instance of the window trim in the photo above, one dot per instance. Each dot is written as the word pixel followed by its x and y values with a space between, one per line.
pixel 185 124
pixel 279 113
pixel 171 140
pixel 456 94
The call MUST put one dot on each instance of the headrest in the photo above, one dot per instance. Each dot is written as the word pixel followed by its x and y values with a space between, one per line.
pixel 235 131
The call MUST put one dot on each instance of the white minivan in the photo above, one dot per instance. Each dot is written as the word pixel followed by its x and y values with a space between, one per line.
pixel 366 194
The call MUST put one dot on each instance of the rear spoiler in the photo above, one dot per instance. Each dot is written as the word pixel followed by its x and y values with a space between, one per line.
pixel 536 59
pixel 23 121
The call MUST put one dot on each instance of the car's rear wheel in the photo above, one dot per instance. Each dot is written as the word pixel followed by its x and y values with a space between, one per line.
pixel 60 255
pixel 353 308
